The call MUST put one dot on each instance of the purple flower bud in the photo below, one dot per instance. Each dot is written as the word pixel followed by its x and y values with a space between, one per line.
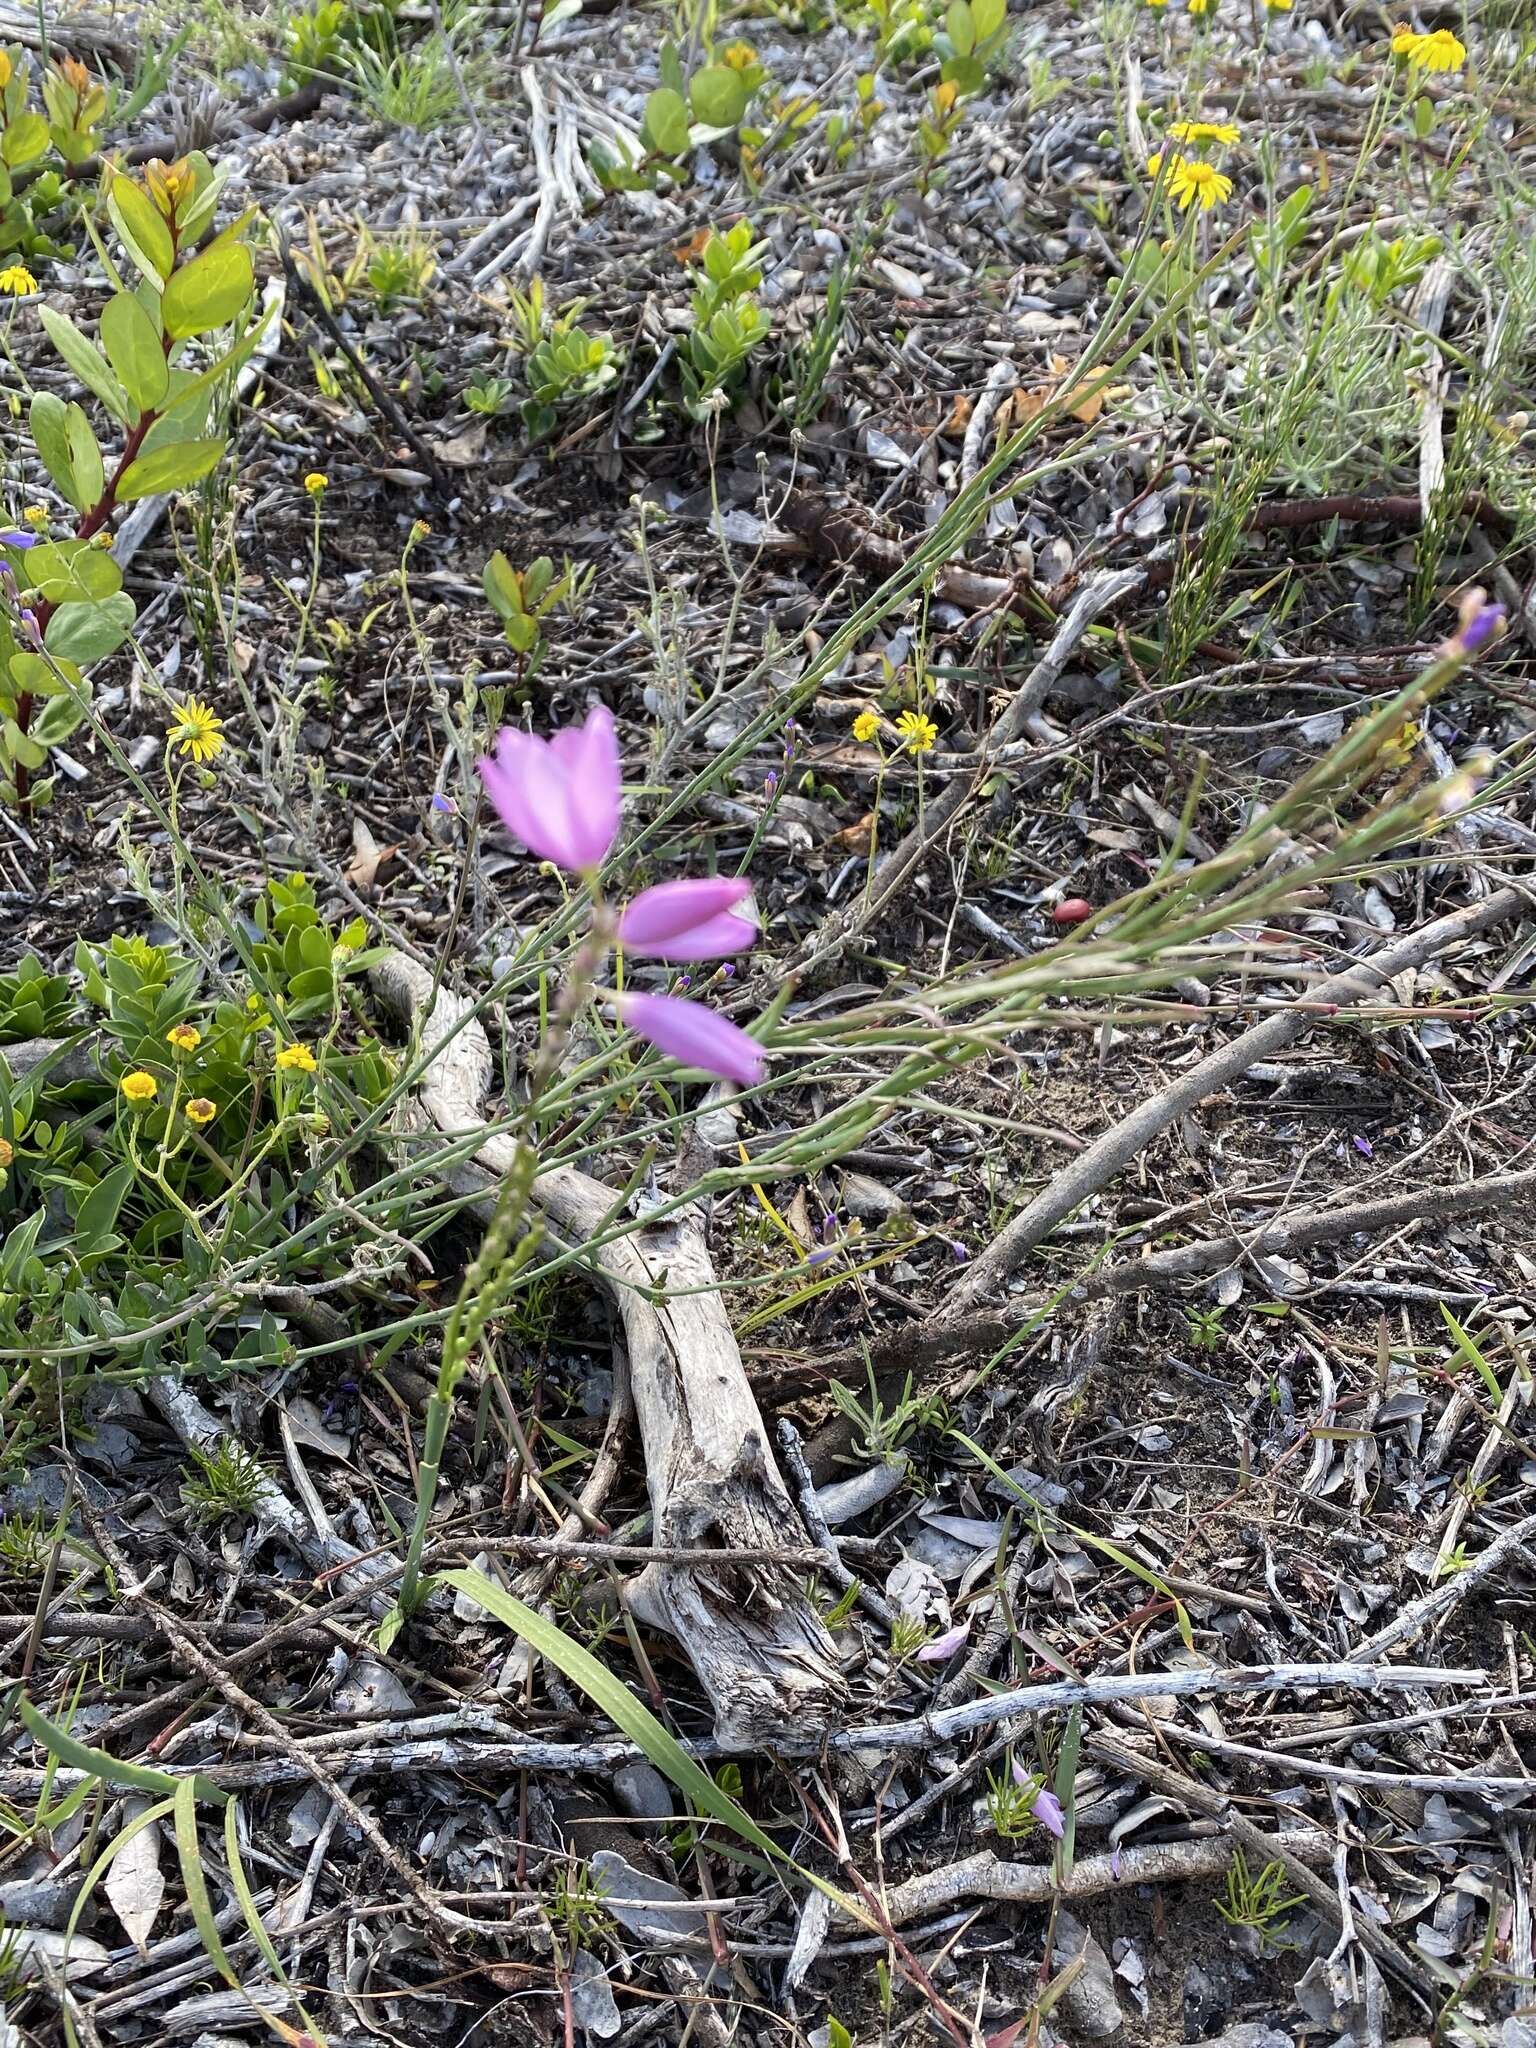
pixel 445 804
pixel 771 781
pixel 683 981
pixel 727 970
pixel 957 1251
pixel 1479 624
pixel 34 630
pixel 693 920
pixel 820 1258
pixel 1364 1148
pixel 696 1036
pixel 944 1646
pixel 13 537
pixel 1047 1810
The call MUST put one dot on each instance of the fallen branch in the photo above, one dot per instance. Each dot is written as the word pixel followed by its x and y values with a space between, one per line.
pixel 986 1876
pixel 1410 1622
pixel 1085 1174
pixel 760 1649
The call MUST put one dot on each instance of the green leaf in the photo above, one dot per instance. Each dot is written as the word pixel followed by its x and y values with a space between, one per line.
pixel 25 140
pixel 53 720
pixel 133 349
pixel 110 1770
pixel 988 17
pixel 89 631
pixel 170 468
pixel 1474 1357
pixel 87 362
pixel 34 677
pixel 502 587
pixel 209 291
pixel 666 122
pixel 141 230
pixel 49 422
pixel 634 1719
pixel 190 1855
pixel 718 95
pixel 96 1217
pixel 961 26
pixel 85 455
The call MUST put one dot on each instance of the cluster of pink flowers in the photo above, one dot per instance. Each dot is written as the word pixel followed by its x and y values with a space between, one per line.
pixel 560 797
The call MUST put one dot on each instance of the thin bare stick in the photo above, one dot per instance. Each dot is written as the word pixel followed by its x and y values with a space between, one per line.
pixel 1411 1621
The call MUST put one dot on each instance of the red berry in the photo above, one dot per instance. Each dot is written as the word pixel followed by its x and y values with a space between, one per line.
pixel 1072 910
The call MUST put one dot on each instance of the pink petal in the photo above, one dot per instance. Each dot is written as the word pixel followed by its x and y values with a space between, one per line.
pixel 945 1645
pixel 672 909
pixel 560 797
pixel 689 921
pixel 1047 1810
pixel 696 1036
pixel 588 757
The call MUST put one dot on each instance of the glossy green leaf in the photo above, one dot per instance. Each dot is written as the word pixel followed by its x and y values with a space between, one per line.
pixel 718 96
pixel 49 421
pixel 170 468
pixel 85 455
pixel 134 350
pixel 141 230
pixel 87 362
pixel 988 16
pixel 961 26
pixel 209 291
pixel 666 121
pixel 24 141
pixel 87 632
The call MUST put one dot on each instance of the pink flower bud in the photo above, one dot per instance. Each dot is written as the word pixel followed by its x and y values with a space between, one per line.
pixel 1073 910
pixel 1047 1810
pixel 696 1036
pixel 945 1645
pixel 688 920
pixel 559 796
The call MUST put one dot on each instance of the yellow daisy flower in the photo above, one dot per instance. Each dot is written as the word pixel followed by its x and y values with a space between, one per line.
pixel 316 482
pixel 1203 131
pixel 200 1110
pixel 139 1086
pixel 1438 51
pixel 1202 6
pixel 866 725
pixel 36 515
pixel 297 1059
pixel 17 281
pixel 919 732
pixel 1193 180
pixel 185 1037
pixel 198 731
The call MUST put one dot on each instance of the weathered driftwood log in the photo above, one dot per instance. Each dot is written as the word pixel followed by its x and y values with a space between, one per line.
pixel 759 1648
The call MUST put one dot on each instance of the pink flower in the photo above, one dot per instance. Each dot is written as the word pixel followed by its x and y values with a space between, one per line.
pixel 696 1036
pixel 688 920
pixel 1047 1810
pixel 945 1645
pixel 559 796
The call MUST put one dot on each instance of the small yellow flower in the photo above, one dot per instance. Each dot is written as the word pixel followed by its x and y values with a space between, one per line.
pixel 17 281
pixel 1203 131
pixel 1438 51
pixel 1155 164
pixel 419 529
pixel 740 56
pixel 316 482
pixel 139 1086
pixel 297 1059
pixel 168 184
pixel 36 515
pixel 1279 6
pixel 1202 6
pixel 198 731
pixel 7 1149
pixel 918 732
pixel 1193 181
pixel 866 725
pixel 1157 3
pixel 185 1037
pixel 5 70
pixel 200 1110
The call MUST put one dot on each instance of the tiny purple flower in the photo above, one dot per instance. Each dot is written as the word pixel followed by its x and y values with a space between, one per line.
pixel 13 537
pixel 771 781
pixel 727 970
pixel 1364 1147
pixel 34 630
pixel 944 1646
pixel 683 981
pixel 1479 623
pixel 445 804
pixel 957 1251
